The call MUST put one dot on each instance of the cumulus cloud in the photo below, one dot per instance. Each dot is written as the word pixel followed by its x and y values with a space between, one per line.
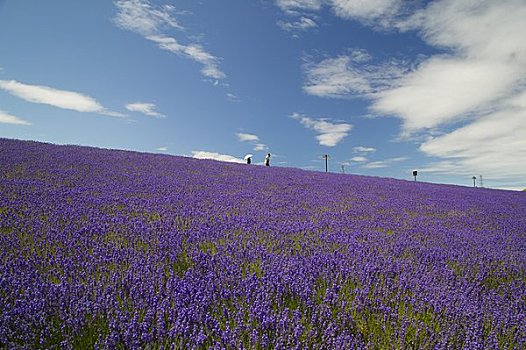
pixel 56 98
pixel 140 17
pixel 329 133
pixel 144 108
pixel 481 81
pixel 493 145
pixel 7 118
pixel 470 94
pixel 216 156
pixel 486 63
pixel 444 90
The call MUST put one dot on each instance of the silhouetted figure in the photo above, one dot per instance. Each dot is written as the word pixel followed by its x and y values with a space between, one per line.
pixel 248 158
pixel 267 159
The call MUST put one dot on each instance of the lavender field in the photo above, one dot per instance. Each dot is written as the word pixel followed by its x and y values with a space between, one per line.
pixel 122 250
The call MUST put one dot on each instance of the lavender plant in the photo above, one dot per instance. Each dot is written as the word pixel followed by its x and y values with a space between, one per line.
pixel 122 250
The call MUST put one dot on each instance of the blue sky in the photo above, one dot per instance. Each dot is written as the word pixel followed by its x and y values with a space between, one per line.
pixel 383 86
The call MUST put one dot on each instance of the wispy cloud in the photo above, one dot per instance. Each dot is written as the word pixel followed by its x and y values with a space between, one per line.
pixel 232 98
pixel 351 75
pixel 363 149
pixel 378 13
pixel 152 23
pixel 144 108
pixel 56 98
pixel 162 149
pixel 216 156
pixel 260 147
pixel 329 133
pixel 140 17
pixel 384 163
pixel 246 137
pixel 254 139
pixel 372 12
pixel 359 159
pixel 302 24
pixel 291 6
pixel 7 118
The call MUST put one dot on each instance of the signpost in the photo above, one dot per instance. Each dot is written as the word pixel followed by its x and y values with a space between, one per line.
pixel 415 173
pixel 326 157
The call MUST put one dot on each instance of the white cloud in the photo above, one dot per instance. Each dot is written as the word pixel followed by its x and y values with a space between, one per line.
pixel 329 134
pixel 162 149
pixel 195 52
pixel 384 163
pixel 216 156
pixel 231 97
pixel 363 149
pixel 487 63
pixel 446 89
pixel 302 24
pixel 334 77
pixel 372 12
pixel 140 17
pixel 481 81
pixel 260 147
pixel 144 108
pixel 246 137
pixel 56 98
pixel 152 23
pixel 254 139
pixel 359 159
pixel 494 145
pixel 467 94
pixel 349 75
pixel 294 5
pixel 7 118
pixel 366 10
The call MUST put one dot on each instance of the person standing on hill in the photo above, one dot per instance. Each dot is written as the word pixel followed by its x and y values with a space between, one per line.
pixel 267 159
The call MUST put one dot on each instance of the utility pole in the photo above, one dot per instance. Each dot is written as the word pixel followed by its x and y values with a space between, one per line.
pixel 326 157
pixel 343 168
pixel 474 179
pixel 481 183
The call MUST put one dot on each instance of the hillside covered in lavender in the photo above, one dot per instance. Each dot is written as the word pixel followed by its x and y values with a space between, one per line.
pixel 123 250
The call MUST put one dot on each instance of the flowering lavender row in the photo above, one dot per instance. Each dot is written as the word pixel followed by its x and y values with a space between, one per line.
pixel 112 249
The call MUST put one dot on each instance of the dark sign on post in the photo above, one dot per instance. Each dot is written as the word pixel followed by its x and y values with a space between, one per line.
pixel 415 173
